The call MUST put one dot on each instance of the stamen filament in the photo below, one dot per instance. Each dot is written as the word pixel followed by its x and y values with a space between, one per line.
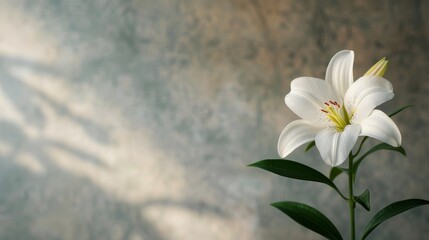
pixel 334 115
pixel 337 114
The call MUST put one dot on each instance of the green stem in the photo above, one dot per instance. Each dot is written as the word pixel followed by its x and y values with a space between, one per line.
pixel 360 146
pixel 352 203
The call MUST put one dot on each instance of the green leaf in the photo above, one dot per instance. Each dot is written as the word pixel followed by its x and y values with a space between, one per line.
pixel 364 200
pixel 335 171
pixel 310 146
pixel 310 218
pixel 391 211
pixel 400 110
pixel 381 146
pixel 292 169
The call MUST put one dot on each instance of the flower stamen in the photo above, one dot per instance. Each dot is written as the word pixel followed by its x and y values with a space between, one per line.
pixel 337 114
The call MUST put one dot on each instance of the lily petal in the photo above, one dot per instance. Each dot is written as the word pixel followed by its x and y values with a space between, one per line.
pixel 380 126
pixel 333 146
pixel 294 135
pixel 307 97
pixel 365 94
pixel 340 71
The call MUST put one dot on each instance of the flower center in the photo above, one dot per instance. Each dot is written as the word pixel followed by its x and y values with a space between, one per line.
pixel 337 114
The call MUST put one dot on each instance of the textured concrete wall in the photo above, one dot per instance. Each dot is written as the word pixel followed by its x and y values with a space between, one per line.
pixel 127 119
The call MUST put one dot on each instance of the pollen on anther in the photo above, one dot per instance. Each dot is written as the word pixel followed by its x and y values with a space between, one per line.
pixel 323 110
pixel 327 104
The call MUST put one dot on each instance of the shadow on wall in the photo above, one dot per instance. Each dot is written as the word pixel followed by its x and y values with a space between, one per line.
pixel 40 199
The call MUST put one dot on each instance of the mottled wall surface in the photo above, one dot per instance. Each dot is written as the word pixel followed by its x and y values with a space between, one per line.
pixel 136 119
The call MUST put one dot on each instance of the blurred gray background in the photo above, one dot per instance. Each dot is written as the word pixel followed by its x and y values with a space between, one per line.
pixel 127 119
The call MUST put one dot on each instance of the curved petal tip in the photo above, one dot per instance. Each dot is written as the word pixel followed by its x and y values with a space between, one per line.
pixel 340 71
pixel 294 135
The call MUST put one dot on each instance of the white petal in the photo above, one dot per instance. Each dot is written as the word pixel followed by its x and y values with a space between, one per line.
pixel 365 94
pixel 380 126
pixel 307 97
pixel 334 147
pixel 294 135
pixel 340 71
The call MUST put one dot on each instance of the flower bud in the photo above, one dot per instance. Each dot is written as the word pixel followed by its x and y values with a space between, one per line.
pixel 378 69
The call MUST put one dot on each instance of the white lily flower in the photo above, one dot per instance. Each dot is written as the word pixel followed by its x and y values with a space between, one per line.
pixel 336 111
